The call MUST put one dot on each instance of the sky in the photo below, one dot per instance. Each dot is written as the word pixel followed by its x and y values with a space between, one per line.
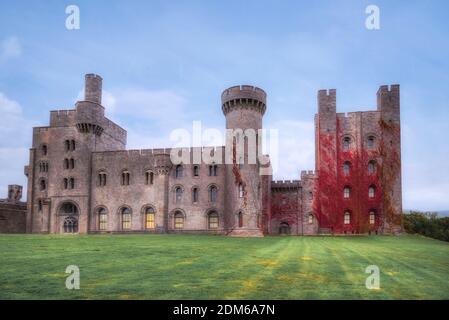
pixel 164 65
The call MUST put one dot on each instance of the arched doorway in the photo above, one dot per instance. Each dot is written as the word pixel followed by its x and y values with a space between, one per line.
pixel 284 228
pixel 69 213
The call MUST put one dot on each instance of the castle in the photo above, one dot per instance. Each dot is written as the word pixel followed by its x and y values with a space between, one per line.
pixel 81 178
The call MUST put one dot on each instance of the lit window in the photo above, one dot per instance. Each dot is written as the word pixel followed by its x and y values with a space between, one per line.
pixel 347 168
pixel 372 217
pixel 102 219
pixel 179 220
pixel 149 218
pixel 126 219
pixel 346 192
pixel 347 217
pixel 213 220
pixel 372 191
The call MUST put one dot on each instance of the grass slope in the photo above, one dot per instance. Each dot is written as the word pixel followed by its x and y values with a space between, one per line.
pixel 216 267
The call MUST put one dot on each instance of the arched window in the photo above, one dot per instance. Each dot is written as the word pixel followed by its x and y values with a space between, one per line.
pixel 370 142
pixel 66 183
pixel 70 225
pixel 149 177
pixel 372 217
pixel 346 168
pixel 215 170
pixel 346 143
pixel 178 194
pixel 66 163
pixel 240 217
pixel 196 171
pixel 310 218
pixel 125 178
pixel 126 218
pixel 346 192
pixel 149 218
pixel 178 171
pixel 43 184
pixel 213 220
pixel 213 194
pixel 67 145
pixel 102 178
pixel 72 163
pixel 179 220
pixel 195 195
pixel 241 190
pixel 347 219
pixel 72 145
pixel 102 219
pixel 310 195
pixel 44 149
pixel 371 191
pixel 371 166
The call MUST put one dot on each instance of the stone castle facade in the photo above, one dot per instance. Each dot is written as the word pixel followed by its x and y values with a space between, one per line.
pixel 82 179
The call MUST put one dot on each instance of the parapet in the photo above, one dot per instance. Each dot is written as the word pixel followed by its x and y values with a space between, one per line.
pixel 285 184
pixel 327 101
pixel 243 96
pixel 309 174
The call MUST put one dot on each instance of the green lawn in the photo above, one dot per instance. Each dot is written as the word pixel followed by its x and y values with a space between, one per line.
pixel 217 267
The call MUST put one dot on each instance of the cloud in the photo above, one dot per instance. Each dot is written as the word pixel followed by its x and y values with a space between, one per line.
pixel 10 48
pixel 14 144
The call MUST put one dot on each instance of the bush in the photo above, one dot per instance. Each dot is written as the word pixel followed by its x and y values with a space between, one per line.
pixel 428 224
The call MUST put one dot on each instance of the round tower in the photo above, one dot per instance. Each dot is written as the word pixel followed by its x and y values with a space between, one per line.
pixel 243 107
pixel 92 88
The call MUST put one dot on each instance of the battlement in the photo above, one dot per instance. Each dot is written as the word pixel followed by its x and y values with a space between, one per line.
pixel 285 184
pixel 62 117
pixel 307 174
pixel 393 88
pixel 327 101
pixel 243 96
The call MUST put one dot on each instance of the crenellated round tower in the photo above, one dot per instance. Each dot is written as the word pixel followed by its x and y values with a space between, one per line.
pixel 243 107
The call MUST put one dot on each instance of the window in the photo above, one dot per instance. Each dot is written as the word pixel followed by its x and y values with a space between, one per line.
pixel 102 179
pixel 240 217
pixel 347 219
pixel 195 195
pixel 102 219
pixel 346 143
pixel 66 163
pixel 179 220
pixel 310 218
pixel 370 142
pixel 196 171
pixel 178 171
pixel 66 183
pixel 70 225
pixel 125 178
pixel 43 184
pixel 149 218
pixel 43 166
pixel 213 194
pixel 72 183
pixel 213 220
pixel 149 177
pixel 346 192
pixel 44 149
pixel 241 190
pixel 310 195
pixel 346 168
pixel 371 191
pixel 371 167
pixel 72 163
pixel 178 194
pixel 40 205
pixel 126 218
pixel 68 208
pixel 69 145
pixel 372 217
pixel 213 170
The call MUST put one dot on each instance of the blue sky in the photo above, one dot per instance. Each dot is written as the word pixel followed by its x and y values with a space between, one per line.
pixel 165 63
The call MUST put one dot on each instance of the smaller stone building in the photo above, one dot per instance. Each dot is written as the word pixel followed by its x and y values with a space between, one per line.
pixel 13 211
